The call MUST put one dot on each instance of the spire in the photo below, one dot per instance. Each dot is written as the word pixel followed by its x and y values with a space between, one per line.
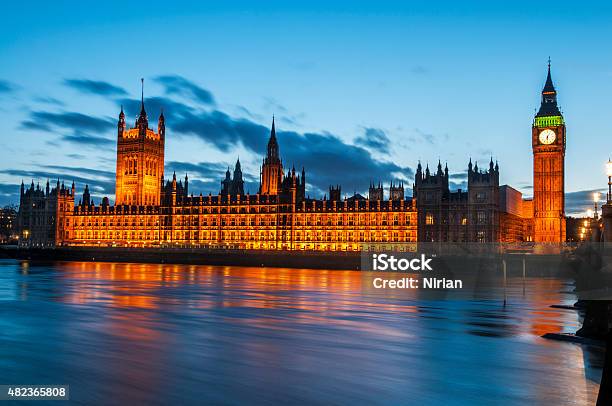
pixel 548 86
pixel 272 153
pixel 548 106
pixel 142 109
pixel 142 121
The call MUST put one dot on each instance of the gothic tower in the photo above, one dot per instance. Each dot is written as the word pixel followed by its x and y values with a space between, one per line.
pixel 548 143
pixel 272 168
pixel 140 160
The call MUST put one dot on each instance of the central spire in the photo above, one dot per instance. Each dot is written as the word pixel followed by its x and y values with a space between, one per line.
pixel 142 122
pixel 272 154
pixel 548 106
pixel 142 107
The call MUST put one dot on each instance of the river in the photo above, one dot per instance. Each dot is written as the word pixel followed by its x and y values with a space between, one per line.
pixel 175 334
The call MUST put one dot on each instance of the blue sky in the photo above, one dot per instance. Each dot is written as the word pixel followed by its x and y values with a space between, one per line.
pixel 361 91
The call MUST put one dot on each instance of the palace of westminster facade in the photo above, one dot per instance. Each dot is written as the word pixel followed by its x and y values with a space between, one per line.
pixel 150 212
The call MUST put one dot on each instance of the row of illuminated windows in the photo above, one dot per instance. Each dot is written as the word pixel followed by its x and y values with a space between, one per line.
pixel 481 218
pixel 269 220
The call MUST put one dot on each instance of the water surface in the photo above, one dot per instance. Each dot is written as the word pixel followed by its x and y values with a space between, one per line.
pixel 174 334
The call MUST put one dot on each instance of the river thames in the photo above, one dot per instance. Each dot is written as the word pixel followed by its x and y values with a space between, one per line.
pixel 175 334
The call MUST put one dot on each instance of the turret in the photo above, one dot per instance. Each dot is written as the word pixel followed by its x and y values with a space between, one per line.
pixel 86 196
pixel 121 123
pixel 161 125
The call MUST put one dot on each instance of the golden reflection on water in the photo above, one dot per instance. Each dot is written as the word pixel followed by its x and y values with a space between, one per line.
pixel 287 320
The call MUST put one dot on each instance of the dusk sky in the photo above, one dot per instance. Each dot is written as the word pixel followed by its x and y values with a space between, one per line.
pixel 360 92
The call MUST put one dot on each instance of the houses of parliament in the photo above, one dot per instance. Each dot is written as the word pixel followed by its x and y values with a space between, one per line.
pixel 150 211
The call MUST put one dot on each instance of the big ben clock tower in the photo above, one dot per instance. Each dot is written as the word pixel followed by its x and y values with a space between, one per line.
pixel 548 143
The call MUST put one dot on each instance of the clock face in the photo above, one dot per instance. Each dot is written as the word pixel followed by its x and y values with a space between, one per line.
pixel 547 136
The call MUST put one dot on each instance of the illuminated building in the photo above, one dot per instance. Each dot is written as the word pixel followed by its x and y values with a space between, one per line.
pixel 140 161
pixel 548 143
pixel 152 212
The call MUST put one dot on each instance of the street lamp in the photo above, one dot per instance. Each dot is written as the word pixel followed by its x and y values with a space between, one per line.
pixel 595 200
pixel 609 173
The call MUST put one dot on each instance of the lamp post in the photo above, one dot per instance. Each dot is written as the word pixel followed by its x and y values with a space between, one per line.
pixel 609 173
pixel 595 200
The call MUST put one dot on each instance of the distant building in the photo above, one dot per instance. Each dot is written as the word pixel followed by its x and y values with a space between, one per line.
pixel 8 225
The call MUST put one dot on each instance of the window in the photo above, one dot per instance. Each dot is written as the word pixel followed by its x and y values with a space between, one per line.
pixel 482 217
pixel 429 219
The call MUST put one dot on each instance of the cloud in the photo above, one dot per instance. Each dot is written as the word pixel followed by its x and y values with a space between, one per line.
pixel 67 120
pixel 327 158
pixel 9 194
pixel 178 85
pixel 458 176
pixel 49 100
pixel 7 87
pixel 96 87
pixel 374 139
pixel 84 139
pixel 78 125
pixel 428 137
pixel 577 203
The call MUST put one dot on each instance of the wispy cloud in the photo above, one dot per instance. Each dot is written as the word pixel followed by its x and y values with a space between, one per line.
pixel 374 139
pixel 97 87
pixel 7 87
pixel 178 85
pixel 78 126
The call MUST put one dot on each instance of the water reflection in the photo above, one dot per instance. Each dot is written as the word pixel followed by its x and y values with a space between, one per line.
pixel 156 334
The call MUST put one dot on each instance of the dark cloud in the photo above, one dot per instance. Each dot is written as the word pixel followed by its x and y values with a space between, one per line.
pixel 91 140
pixel 458 176
pixel 96 87
pixel 9 194
pixel 7 87
pixel 374 139
pixel 49 100
pixel 327 158
pixel 580 201
pixel 45 120
pixel 178 85
pixel 77 127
